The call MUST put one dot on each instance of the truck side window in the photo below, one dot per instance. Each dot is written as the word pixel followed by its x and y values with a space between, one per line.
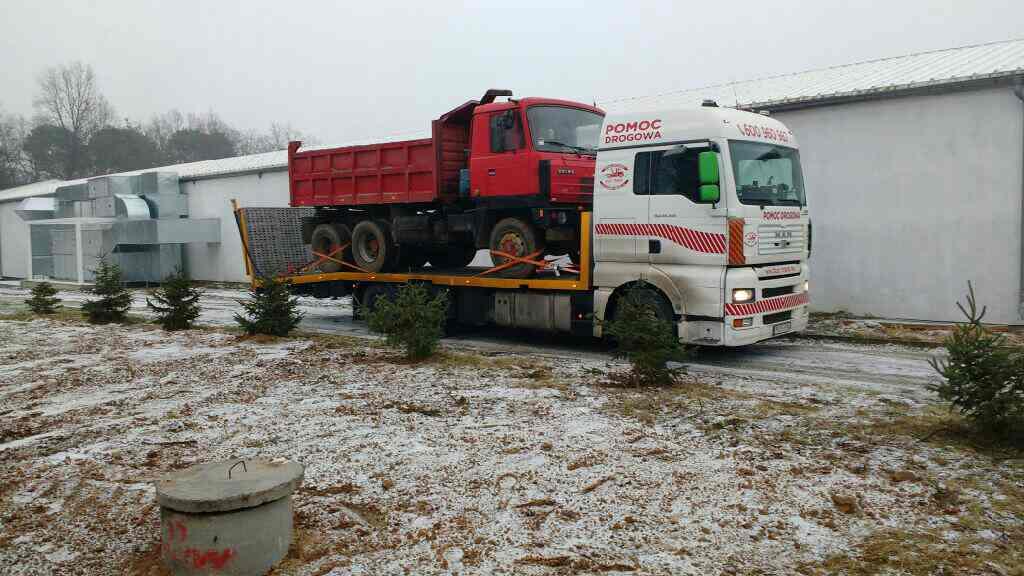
pixel 506 131
pixel 642 173
pixel 668 172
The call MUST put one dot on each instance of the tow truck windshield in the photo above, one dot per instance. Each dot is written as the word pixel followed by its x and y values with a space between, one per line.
pixel 556 128
pixel 767 174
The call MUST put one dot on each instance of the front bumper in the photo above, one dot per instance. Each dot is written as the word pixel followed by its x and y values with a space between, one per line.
pixel 780 307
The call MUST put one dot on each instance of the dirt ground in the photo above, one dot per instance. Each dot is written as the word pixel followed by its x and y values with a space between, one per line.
pixel 478 463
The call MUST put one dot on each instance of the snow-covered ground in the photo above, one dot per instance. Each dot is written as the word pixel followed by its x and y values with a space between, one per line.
pixel 771 460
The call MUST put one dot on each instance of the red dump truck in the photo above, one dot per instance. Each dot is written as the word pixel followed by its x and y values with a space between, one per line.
pixel 511 176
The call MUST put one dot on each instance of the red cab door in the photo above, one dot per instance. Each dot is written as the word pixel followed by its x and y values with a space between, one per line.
pixel 501 159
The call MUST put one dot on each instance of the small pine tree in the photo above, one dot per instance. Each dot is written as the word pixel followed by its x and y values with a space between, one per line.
pixel 271 308
pixel 44 299
pixel 983 379
pixel 645 339
pixel 411 320
pixel 114 299
pixel 176 302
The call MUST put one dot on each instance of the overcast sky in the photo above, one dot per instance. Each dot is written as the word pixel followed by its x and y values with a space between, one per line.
pixel 345 71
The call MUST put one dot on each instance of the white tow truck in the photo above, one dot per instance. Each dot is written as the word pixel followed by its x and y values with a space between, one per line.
pixel 706 206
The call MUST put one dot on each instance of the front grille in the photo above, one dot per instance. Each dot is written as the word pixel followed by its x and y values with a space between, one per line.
pixel 770 292
pixel 777 317
pixel 780 238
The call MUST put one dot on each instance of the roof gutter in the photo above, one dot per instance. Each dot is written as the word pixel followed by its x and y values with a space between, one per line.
pixel 1018 89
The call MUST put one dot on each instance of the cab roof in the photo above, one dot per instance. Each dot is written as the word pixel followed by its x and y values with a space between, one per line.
pixel 675 125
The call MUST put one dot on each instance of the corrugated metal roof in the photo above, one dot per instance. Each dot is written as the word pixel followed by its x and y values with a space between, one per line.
pixel 277 160
pixel 265 162
pixel 864 79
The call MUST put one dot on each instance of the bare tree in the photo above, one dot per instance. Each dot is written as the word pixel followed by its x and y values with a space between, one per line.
pixel 277 138
pixel 14 167
pixel 70 98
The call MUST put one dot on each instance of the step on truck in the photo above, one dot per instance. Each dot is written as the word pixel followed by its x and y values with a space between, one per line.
pixel 705 207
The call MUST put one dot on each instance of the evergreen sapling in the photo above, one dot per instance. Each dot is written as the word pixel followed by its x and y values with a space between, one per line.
pixel 271 309
pixel 983 378
pixel 44 299
pixel 646 337
pixel 411 320
pixel 176 302
pixel 113 298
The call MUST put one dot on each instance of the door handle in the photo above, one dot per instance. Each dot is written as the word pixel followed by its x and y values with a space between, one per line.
pixel 654 246
pixel 491 171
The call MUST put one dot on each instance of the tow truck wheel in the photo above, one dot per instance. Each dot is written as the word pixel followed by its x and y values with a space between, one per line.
pixel 372 249
pixel 368 300
pixel 326 239
pixel 647 297
pixel 517 238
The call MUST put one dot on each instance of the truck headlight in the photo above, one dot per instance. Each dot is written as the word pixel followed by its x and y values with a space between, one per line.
pixel 742 294
pixel 807 285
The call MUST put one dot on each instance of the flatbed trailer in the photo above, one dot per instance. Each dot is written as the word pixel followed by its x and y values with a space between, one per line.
pixel 271 245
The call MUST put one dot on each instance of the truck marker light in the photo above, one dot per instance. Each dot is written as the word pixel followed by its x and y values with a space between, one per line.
pixel 742 294
pixel 742 322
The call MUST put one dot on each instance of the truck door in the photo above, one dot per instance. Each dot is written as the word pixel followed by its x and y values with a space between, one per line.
pixel 683 228
pixel 502 169
pixel 619 209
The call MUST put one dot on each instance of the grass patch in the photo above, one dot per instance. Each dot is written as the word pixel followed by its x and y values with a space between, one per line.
pixel 451 359
pixel 927 552
pixel 61 315
pixel 646 405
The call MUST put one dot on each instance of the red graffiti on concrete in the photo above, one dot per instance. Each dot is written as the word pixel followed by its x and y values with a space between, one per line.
pixel 182 530
pixel 216 559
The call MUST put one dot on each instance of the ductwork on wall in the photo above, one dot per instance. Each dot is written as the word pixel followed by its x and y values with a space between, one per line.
pixel 1018 89
pixel 138 222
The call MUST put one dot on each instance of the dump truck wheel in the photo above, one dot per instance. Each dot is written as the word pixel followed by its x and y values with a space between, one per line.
pixel 513 236
pixel 456 256
pixel 372 249
pixel 325 239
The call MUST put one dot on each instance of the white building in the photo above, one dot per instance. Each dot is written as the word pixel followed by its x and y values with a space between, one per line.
pixel 914 167
pixel 914 173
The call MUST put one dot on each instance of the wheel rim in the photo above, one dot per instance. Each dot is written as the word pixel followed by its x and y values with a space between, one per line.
pixel 512 243
pixel 369 249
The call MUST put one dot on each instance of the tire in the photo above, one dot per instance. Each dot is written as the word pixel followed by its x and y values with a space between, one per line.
pixel 662 309
pixel 372 249
pixel 371 295
pixel 325 239
pixel 513 236
pixel 454 256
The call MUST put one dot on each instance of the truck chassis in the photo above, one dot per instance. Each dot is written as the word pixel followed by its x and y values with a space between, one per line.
pixel 557 298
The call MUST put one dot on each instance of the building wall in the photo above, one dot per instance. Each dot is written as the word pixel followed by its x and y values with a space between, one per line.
pixel 911 198
pixel 13 242
pixel 211 198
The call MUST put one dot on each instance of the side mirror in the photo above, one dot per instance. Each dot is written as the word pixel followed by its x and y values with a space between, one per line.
pixel 707 168
pixel 709 194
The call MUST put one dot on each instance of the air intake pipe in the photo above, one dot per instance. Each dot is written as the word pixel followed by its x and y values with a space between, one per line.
pixel 1018 89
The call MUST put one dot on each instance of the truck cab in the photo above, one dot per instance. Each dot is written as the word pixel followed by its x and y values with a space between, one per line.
pixel 708 207
pixel 538 147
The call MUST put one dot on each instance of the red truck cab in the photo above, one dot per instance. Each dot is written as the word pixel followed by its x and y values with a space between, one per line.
pixel 534 146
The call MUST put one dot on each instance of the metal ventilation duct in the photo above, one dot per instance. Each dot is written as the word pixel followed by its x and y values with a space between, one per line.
pixel 139 222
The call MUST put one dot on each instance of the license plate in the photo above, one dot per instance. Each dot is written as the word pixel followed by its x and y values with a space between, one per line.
pixel 781 328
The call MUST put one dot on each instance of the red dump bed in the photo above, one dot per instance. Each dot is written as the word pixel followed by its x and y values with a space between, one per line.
pixel 409 171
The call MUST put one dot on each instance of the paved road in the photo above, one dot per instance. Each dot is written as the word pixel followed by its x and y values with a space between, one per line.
pixel 795 359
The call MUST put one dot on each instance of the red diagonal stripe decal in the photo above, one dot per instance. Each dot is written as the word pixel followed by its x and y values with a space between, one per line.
pixel 703 242
pixel 768 305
